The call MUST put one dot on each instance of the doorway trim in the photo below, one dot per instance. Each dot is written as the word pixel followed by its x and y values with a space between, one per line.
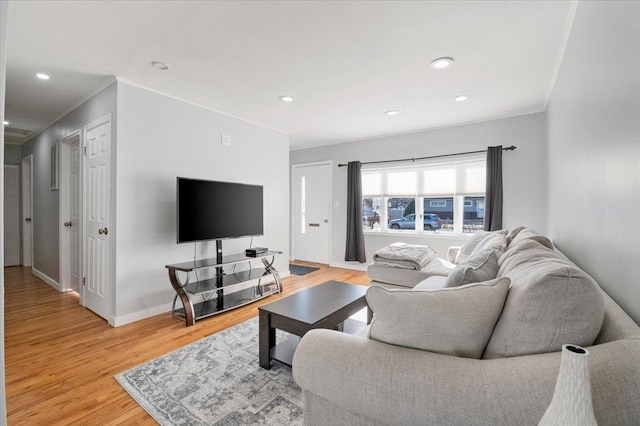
pixel 27 197
pixel 291 213
pixel 64 200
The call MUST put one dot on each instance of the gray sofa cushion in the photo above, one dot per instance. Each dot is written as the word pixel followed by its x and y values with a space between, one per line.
pixel 481 240
pixel 479 267
pixel 551 302
pixel 423 319
pixel 431 283
pixel 407 277
pixel 494 241
pixel 530 234
pixel 470 244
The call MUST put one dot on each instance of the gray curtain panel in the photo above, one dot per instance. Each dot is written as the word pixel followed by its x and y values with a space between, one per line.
pixel 493 196
pixel 355 234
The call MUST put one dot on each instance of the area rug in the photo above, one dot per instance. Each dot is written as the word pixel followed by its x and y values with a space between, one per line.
pixel 301 270
pixel 217 381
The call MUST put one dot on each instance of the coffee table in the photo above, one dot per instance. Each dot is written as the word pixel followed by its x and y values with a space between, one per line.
pixel 327 305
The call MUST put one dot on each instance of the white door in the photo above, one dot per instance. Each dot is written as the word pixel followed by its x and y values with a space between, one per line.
pixel 96 292
pixel 73 221
pixel 27 200
pixel 311 212
pixel 11 215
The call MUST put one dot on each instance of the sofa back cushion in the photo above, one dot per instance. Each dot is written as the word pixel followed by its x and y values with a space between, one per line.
pixel 452 321
pixel 479 267
pixel 530 234
pixel 551 302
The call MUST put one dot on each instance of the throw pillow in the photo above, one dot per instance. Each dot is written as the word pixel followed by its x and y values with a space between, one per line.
pixel 479 267
pixel 467 247
pixel 452 321
pixel 494 241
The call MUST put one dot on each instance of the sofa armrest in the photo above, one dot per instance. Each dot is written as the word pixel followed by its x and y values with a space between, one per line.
pixel 452 253
pixel 397 385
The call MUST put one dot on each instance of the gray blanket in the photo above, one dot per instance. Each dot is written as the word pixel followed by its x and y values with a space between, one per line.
pixel 402 255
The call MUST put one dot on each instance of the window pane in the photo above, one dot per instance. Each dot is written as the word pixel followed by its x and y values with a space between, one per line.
pixel 399 214
pixel 438 214
pixel 473 214
pixel 371 212
pixel 439 181
pixel 471 179
pixel 401 183
pixel 372 184
pixel 303 201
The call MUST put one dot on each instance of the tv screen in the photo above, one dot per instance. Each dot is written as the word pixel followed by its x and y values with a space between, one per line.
pixel 212 210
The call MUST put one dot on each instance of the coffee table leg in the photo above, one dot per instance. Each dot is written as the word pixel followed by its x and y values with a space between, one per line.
pixel 267 339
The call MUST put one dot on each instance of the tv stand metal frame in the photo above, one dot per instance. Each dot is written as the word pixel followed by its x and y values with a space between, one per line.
pixel 221 293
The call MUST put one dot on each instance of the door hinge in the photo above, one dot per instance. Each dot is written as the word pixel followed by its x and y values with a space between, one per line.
pixel 85 150
pixel 84 281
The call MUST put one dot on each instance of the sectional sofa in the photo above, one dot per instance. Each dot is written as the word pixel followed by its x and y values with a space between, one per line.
pixel 476 345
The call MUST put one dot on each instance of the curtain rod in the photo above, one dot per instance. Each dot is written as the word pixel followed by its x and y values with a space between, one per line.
pixel 508 148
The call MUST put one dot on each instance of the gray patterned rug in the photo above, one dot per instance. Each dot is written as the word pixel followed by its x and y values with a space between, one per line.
pixel 216 381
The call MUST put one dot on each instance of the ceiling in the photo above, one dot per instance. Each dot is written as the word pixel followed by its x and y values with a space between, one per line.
pixel 345 63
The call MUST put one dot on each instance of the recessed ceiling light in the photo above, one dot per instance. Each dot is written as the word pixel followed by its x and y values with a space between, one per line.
pixel 441 63
pixel 160 65
pixel 42 76
pixel 461 98
pixel 286 98
pixel 392 112
pixel 6 123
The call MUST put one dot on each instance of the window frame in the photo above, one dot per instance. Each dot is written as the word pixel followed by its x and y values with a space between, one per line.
pixel 459 164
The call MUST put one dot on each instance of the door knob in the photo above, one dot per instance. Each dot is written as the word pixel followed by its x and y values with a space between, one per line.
pixel 104 231
pixel 27 219
pixel 67 224
pixel 326 221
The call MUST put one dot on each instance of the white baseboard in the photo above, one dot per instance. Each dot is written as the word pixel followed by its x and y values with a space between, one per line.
pixel 140 315
pixel 47 279
pixel 356 266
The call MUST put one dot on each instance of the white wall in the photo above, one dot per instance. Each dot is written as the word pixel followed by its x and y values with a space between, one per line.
pixel 46 221
pixel 524 172
pixel 594 149
pixel 160 138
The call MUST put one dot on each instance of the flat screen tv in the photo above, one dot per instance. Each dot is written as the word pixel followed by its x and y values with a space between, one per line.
pixel 213 210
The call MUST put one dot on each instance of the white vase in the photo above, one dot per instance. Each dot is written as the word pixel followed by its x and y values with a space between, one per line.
pixel 571 403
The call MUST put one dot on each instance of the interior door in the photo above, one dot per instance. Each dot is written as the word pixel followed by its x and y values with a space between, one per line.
pixel 311 212
pixel 74 216
pixel 11 215
pixel 27 200
pixel 96 292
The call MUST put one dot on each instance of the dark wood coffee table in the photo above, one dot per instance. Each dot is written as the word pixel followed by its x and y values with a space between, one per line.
pixel 325 306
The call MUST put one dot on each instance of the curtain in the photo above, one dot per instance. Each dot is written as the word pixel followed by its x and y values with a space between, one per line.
pixel 355 233
pixel 493 196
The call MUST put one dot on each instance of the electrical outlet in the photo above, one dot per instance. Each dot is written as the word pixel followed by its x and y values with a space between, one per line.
pixel 225 140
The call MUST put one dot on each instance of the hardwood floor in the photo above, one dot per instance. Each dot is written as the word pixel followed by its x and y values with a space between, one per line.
pixel 60 358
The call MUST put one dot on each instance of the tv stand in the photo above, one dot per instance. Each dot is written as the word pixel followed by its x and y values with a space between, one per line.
pixel 224 291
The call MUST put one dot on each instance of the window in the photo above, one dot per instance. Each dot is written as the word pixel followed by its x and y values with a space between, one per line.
pixel 450 195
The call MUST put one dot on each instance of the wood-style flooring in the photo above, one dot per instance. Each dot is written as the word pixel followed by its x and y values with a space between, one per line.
pixel 60 358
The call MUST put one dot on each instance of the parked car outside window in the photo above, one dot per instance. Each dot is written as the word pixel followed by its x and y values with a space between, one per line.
pixel 431 222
